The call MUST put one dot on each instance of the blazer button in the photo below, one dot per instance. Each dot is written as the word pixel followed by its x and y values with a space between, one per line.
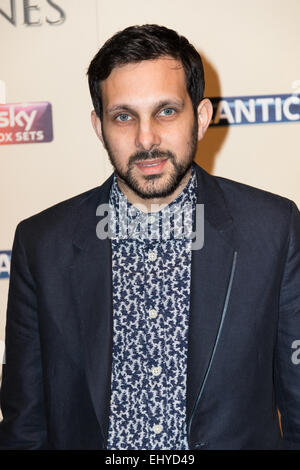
pixel 201 445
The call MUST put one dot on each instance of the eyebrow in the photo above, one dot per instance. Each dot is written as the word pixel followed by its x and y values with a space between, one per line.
pixel 160 104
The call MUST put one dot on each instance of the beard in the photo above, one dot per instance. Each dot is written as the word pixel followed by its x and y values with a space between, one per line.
pixel 151 189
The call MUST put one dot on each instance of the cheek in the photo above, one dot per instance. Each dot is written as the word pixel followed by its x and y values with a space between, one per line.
pixel 178 140
pixel 180 133
pixel 121 148
pixel 120 139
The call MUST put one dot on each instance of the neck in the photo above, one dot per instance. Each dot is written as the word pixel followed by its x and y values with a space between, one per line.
pixel 134 199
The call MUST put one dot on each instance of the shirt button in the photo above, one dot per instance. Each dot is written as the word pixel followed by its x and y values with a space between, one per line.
pixel 151 219
pixel 153 313
pixel 152 256
pixel 157 428
pixel 156 371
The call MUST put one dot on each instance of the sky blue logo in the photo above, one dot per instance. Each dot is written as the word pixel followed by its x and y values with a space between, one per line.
pixel 5 264
pixel 261 109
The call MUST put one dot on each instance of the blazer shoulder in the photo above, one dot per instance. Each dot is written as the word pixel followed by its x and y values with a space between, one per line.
pixel 259 214
pixel 60 210
pixel 62 217
pixel 250 198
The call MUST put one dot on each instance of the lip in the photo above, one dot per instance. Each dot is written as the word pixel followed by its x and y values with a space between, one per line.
pixel 151 170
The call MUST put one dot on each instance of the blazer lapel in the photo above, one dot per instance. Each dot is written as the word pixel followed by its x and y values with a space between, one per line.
pixel 91 278
pixel 212 270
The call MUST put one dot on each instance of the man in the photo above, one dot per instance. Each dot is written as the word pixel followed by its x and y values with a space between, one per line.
pixel 116 339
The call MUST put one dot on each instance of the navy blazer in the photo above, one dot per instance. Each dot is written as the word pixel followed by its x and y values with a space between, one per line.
pixel 244 318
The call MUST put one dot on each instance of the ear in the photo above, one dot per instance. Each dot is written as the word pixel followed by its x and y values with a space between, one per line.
pixel 205 112
pixel 96 122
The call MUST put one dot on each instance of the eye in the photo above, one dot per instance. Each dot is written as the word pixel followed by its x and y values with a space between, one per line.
pixel 167 112
pixel 123 117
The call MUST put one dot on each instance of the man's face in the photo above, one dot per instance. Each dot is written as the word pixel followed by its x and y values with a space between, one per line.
pixel 148 127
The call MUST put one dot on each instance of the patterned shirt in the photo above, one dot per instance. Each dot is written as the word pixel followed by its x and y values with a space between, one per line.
pixel 151 271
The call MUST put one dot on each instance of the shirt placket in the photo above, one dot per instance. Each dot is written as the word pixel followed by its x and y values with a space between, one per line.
pixel 155 340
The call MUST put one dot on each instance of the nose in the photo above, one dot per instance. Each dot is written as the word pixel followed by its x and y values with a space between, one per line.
pixel 147 137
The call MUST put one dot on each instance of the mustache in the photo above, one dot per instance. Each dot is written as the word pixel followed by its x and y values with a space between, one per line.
pixel 151 155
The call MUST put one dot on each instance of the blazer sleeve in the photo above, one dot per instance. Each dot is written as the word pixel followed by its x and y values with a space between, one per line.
pixel 287 359
pixel 21 396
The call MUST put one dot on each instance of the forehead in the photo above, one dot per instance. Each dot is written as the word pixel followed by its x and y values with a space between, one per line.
pixel 148 80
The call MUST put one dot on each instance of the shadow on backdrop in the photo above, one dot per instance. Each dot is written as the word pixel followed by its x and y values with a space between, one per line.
pixel 209 147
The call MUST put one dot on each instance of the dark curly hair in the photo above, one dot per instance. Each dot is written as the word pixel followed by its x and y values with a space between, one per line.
pixel 149 41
